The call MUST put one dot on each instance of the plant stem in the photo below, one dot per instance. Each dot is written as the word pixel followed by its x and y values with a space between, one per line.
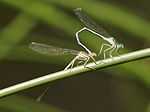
pixel 76 70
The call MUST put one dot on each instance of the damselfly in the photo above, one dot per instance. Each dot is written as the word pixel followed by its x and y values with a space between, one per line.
pixel 92 27
pixel 81 56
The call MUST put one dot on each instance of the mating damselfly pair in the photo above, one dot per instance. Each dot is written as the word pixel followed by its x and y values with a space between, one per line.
pixel 82 56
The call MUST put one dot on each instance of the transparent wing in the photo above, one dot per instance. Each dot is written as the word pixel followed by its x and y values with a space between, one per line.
pixel 89 23
pixel 51 50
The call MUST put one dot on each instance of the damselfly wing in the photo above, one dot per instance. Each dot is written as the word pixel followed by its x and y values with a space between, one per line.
pixel 90 23
pixel 51 50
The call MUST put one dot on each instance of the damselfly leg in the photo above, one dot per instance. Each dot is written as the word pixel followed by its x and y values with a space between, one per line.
pixel 82 57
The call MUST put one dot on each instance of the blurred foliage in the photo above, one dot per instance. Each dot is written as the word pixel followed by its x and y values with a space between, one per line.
pixel 58 14
pixel 24 104
pixel 49 13
pixel 14 33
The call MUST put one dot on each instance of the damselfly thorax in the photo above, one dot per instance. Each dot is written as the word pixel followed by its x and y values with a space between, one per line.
pixel 84 56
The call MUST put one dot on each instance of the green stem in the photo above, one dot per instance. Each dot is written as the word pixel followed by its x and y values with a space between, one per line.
pixel 76 70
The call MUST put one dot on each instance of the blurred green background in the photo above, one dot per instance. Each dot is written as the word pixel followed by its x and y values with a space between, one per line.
pixel 122 88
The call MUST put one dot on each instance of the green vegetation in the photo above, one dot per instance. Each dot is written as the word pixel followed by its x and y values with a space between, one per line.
pixel 57 15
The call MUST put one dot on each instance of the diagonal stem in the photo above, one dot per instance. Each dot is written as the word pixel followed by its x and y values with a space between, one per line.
pixel 145 53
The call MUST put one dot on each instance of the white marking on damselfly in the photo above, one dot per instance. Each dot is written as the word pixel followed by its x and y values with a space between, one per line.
pixel 92 27
pixel 81 56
